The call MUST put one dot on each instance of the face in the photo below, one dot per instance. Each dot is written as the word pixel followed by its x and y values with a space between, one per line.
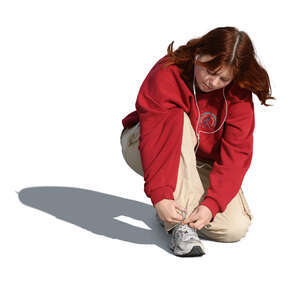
pixel 209 81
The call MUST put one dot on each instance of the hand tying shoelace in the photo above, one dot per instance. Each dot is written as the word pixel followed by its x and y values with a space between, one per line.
pixel 185 241
pixel 185 227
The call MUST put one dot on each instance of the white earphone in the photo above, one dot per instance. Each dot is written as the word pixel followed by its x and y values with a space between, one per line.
pixel 199 114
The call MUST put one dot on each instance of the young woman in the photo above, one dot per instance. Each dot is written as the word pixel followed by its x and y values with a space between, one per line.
pixel 191 137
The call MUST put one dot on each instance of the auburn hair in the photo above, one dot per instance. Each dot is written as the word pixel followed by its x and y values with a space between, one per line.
pixel 229 47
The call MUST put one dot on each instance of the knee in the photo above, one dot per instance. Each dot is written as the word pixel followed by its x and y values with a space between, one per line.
pixel 227 232
pixel 235 230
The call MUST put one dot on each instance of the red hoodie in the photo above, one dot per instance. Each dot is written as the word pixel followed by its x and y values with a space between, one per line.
pixel 161 101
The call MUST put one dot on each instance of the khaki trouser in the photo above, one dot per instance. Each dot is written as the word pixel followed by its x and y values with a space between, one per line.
pixel 192 184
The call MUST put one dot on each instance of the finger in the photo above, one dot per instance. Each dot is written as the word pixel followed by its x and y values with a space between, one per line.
pixel 177 218
pixel 197 225
pixel 178 213
pixel 191 218
pixel 179 207
pixel 187 220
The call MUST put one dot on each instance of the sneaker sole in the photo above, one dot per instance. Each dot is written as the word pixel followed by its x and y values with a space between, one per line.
pixel 196 251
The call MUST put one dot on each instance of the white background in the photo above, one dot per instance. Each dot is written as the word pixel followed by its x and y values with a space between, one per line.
pixel 81 226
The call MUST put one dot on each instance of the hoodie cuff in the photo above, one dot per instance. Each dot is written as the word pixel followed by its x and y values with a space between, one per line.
pixel 212 205
pixel 160 194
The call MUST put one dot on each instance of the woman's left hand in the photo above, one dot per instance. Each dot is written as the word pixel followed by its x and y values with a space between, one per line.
pixel 200 217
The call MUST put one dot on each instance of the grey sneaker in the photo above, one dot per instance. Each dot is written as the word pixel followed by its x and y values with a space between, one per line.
pixel 185 241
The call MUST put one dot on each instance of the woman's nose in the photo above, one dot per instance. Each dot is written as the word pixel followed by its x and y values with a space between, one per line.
pixel 210 84
pixel 213 82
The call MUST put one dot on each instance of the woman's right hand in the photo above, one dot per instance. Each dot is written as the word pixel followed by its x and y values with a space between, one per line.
pixel 167 211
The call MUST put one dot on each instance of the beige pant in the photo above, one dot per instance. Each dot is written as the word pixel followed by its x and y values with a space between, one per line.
pixel 192 184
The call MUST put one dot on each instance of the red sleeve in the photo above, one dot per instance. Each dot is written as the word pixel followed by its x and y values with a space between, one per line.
pixel 160 107
pixel 236 149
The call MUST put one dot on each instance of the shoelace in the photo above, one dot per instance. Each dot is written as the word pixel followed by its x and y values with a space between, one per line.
pixel 185 231
pixel 183 213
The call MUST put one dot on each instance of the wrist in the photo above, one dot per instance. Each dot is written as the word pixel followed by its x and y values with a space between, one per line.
pixel 208 211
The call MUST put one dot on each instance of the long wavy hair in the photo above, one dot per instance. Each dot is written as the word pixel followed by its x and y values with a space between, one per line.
pixel 229 47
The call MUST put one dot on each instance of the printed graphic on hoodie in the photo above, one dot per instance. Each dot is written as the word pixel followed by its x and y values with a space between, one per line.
pixel 208 120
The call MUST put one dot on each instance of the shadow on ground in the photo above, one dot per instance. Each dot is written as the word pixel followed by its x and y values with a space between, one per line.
pixel 96 212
